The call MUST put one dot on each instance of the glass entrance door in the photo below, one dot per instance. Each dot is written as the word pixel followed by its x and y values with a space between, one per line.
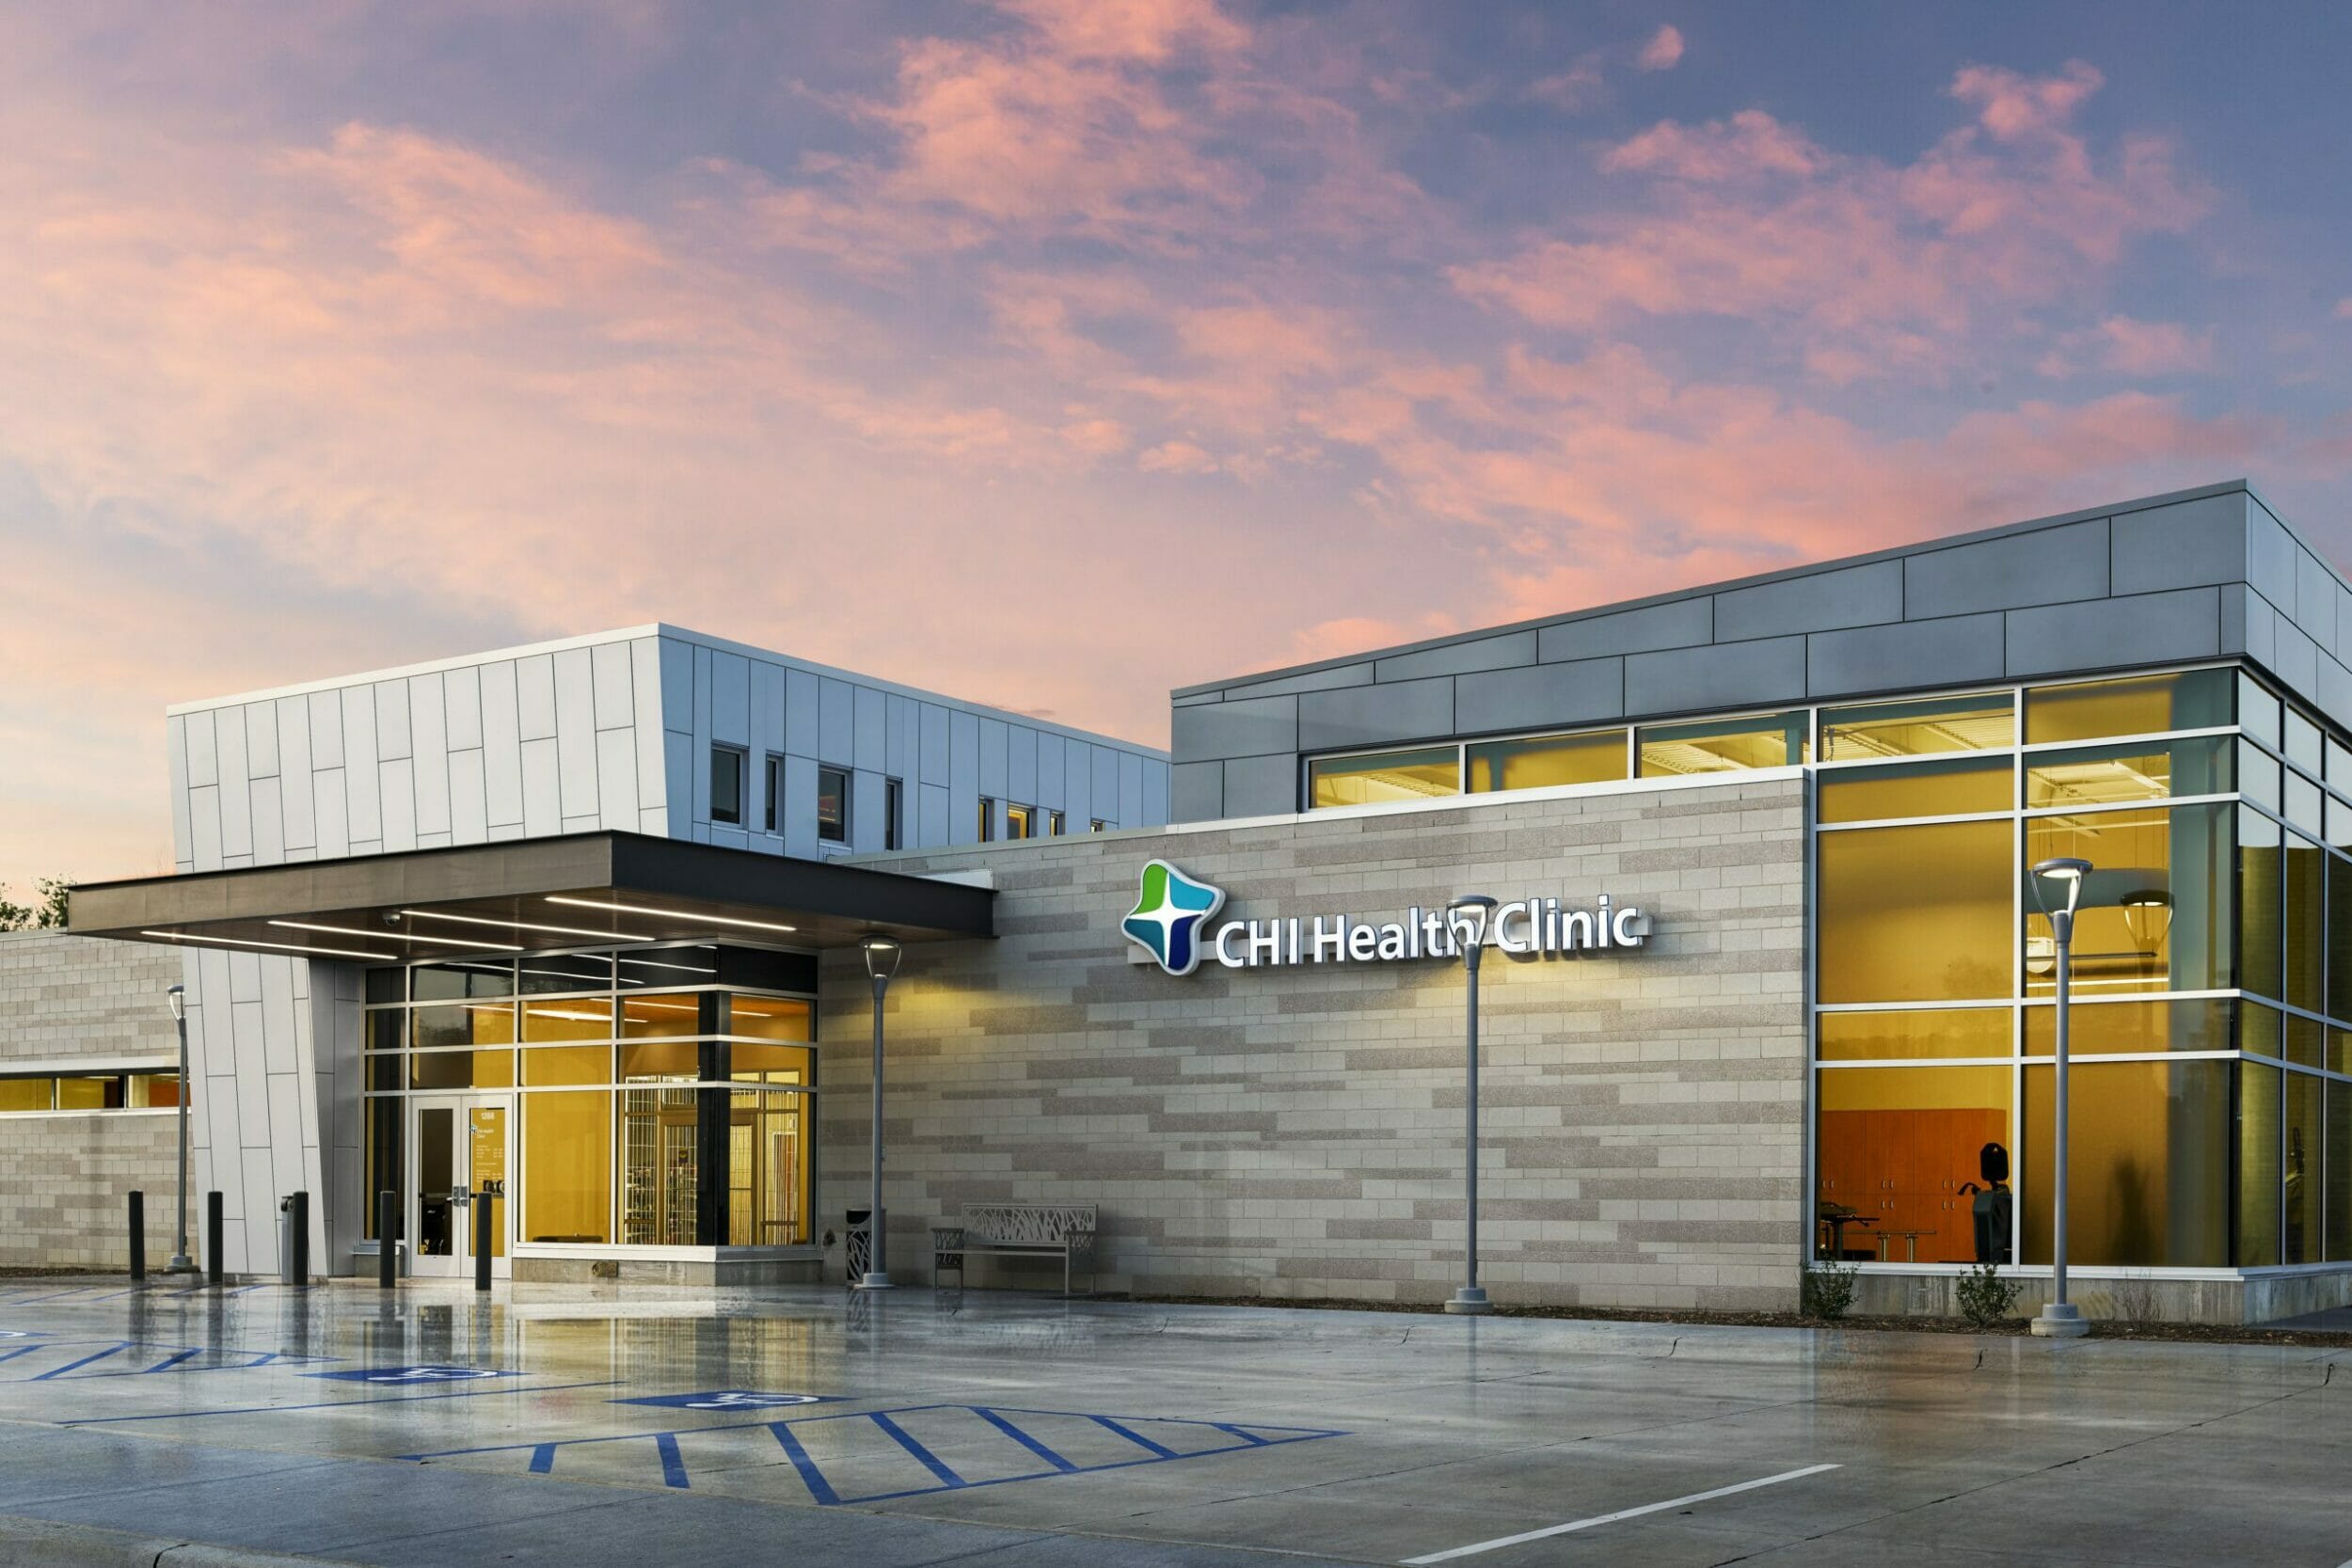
pixel 460 1144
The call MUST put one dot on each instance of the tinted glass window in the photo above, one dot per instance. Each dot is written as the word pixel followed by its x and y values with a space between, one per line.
pixel 726 784
pixel 833 805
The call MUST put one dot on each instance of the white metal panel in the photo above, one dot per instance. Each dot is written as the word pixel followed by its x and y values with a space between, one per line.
pixel 362 786
pixel 654 820
pixel 937 748
pixel 428 739
pixel 252 1047
pixel 534 696
pixel 269 820
pixel 614 707
pixel 616 779
pixel 397 791
pixel 677 764
pixel 678 685
pixel 461 702
pixel 204 827
pixel 332 811
pixel 543 792
pixel 298 797
pixel 801 698
pixel 575 730
pixel 730 698
pixel 260 740
pixel 646 674
pixel 930 807
pixel 277 979
pixel 236 784
pixel 391 721
pixel 203 760
pixel 502 745
pixel 326 729
pixel 468 801
pixel 176 767
pixel 252 1241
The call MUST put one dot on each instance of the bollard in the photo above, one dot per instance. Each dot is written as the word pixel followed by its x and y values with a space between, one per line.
pixel 213 1230
pixel 482 1239
pixel 298 1264
pixel 387 1244
pixel 138 1236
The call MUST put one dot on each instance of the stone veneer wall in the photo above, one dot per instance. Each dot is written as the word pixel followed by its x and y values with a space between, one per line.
pixel 1296 1132
pixel 64 1176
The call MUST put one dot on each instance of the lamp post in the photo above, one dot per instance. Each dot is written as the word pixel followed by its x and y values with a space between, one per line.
pixel 179 997
pixel 2060 1319
pixel 881 962
pixel 1466 922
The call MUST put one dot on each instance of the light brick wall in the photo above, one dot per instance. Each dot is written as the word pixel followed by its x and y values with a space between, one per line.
pixel 64 1178
pixel 1298 1132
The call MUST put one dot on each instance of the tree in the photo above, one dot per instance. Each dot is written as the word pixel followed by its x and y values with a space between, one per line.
pixel 47 914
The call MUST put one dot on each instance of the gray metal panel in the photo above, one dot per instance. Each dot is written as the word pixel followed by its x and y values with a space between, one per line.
pixel 363 787
pixel 653 796
pixel 993 765
pixel 203 757
pixel 293 763
pixel 2185 545
pixel 1817 601
pixel 1580 692
pixel 396 789
pixel 1253 726
pixel 1455 659
pixel 1129 789
pixel 1259 786
pixel 678 775
pixel 1021 764
pixel 543 793
pixel 2261 628
pixel 1198 792
pixel 2269 556
pixel 1911 655
pixel 730 698
pixel 767 731
pixel 1078 786
pixel 616 779
pixel 902 751
pixel 1374 715
pixel 1104 787
pixel 869 815
pixel 1769 673
pixel 931 825
pixel 1677 623
pixel 1312 680
pixel 677 684
pixel 236 783
pixel 461 703
pixel 2334 696
pixel 576 732
pixel 2296 660
pixel 614 686
pixel 534 696
pixel 797 813
pixel 1155 787
pixel 964 785
pixel 2051 565
pixel 1053 773
pixel 391 720
pixel 260 738
pixel 502 745
pixel 2233 597
pixel 644 679
pixel 2148 628
pixel 468 801
pixel 176 768
pixel 871 751
pixel 428 735
pixel 936 751
pixel 802 696
pixel 2315 600
pixel 837 721
pixel 326 731
pixel 1197 698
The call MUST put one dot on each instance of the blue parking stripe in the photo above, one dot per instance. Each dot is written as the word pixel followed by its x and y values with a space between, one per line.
pixel 928 1460
pixel 1057 1461
pixel 811 1476
pixel 25 1350
pixel 60 1371
pixel 1134 1437
pixel 1244 1433
pixel 673 1463
pixel 170 1361
pixel 503 1387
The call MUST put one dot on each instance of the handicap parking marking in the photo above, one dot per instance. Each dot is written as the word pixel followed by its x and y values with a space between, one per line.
pixel 731 1398
pixel 880 1455
pixel 431 1374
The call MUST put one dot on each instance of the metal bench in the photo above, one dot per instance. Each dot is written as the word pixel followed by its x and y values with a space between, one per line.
pixel 1017 1229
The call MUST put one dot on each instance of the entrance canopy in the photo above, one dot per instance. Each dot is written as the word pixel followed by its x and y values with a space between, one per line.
pixel 531 895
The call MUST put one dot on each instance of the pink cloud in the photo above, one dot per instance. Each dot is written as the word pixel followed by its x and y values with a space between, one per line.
pixel 1663 52
pixel 2010 105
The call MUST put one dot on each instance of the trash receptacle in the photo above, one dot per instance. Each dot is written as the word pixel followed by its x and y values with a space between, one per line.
pixel 861 1243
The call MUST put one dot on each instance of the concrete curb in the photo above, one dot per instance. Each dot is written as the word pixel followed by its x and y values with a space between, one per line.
pixel 45 1544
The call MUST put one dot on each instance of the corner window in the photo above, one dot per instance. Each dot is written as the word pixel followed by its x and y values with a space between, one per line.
pixel 775 789
pixel 833 805
pixel 894 815
pixel 987 820
pixel 726 784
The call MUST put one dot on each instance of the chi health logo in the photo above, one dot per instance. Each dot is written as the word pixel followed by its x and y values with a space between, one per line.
pixel 1169 914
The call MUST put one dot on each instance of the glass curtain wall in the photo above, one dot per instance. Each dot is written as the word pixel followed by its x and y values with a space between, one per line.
pixel 663 1096
pixel 2212 1083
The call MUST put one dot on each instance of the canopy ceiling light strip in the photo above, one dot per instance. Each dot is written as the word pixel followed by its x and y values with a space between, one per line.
pixel 275 946
pixel 476 943
pixel 690 915
pixel 524 925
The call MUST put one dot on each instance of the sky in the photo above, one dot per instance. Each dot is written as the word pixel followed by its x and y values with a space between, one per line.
pixel 1055 353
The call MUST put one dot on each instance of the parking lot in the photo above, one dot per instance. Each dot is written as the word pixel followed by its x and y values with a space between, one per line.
pixel 588 1427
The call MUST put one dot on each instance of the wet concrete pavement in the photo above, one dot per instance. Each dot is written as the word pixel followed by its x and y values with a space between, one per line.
pixel 590 1426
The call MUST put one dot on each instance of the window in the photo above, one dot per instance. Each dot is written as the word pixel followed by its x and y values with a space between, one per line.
pixel 2148 1164
pixel 2144 705
pixel 726 784
pixel 1915 789
pixel 1896 1144
pixel 1019 821
pixel 1541 761
pixel 1917 729
pixel 568 1167
pixel 2156 914
pixel 2134 1028
pixel 2105 775
pixel 833 805
pixel 1775 741
pixel 1096 825
pixel 1916 913
pixel 894 815
pixel 1424 774
pixel 101 1090
pixel 775 790
pixel 1055 825
pixel 987 820
pixel 1914 1034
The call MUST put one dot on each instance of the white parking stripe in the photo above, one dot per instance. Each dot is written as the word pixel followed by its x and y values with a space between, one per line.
pixel 1499 1544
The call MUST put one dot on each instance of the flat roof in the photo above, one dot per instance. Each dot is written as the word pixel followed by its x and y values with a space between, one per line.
pixel 581 890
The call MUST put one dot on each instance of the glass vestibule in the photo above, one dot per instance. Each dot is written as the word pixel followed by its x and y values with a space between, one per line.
pixel 655 1098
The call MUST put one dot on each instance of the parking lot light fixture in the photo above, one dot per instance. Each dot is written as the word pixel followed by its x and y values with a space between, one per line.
pixel 1466 920
pixel 2057 887
pixel 881 956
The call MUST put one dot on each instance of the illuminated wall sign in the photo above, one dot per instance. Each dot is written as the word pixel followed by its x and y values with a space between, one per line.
pixel 1173 912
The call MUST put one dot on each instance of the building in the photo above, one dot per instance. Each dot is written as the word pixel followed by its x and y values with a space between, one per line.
pixel 1771 984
